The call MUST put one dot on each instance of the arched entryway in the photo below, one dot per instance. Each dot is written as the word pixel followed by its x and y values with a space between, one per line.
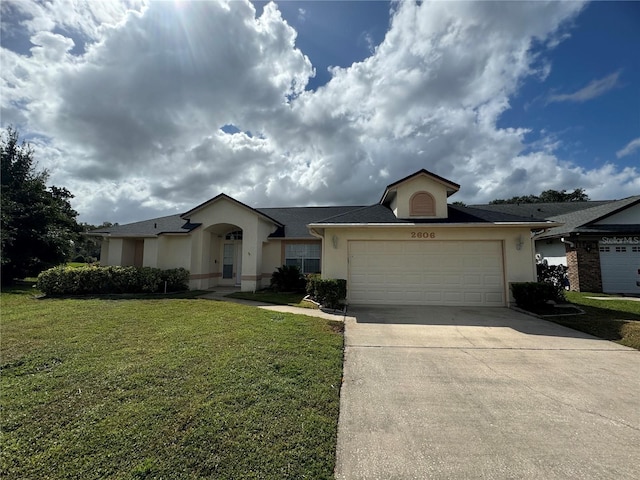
pixel 222 253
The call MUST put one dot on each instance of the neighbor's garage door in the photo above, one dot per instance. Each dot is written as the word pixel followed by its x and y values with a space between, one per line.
pixel 620 268
pixel 426 272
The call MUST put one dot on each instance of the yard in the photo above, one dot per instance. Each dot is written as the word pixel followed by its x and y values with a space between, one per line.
pixel 613 319
pixel 165 388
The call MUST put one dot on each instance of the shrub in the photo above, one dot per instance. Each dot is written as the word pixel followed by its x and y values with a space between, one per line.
pixel 555 275
pixel 329 292
pixel 177 279
pixel 113 279
pixel 288 278
pixel 533 294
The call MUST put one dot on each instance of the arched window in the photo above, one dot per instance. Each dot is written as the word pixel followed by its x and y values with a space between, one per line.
pixel 422 204
pixel 235 235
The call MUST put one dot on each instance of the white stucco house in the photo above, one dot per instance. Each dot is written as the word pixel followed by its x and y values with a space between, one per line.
pixel 411 247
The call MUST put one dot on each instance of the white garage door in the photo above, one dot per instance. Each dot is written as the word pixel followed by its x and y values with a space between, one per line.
pixel 426 273
pixel 620 268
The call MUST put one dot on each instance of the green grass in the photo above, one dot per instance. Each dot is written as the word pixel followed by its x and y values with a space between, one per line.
pixel 616 320
pixel 165 388
pixel 277 298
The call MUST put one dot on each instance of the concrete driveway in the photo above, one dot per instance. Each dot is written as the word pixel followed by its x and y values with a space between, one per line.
pixel 438 392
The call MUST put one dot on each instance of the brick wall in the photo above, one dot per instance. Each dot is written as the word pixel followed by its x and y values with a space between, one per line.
pixel 583 262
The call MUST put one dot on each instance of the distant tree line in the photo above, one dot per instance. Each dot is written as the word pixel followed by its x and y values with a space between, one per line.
pixel 548 196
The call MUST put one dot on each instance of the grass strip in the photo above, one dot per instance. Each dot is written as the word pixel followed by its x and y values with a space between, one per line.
pixel 276 298
pixel 615 320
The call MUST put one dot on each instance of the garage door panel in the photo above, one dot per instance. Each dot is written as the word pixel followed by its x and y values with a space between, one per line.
pixel 493 298
pixel 492 280
pixel 472 280
pixel 426 272
pixel 620 268
pixel 452 279
pixel 473 297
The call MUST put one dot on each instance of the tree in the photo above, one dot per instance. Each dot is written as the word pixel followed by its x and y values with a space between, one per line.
pixel 548 196
pixel 87 248
pixel 38 224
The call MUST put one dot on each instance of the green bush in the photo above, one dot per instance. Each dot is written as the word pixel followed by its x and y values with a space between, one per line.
pixel 533 294
pixel 556 275
pixel 113 279
pixel 288 278
pixel 328 292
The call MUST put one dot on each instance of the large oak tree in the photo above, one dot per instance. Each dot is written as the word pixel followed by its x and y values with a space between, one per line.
pixel 39 226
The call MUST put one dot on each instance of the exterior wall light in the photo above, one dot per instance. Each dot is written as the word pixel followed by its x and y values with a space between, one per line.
pixel 334 240
pixel 519 242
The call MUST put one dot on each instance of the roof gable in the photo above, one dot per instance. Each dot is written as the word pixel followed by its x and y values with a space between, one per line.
pixel 225 197
pixel 420 195
pixel 451 187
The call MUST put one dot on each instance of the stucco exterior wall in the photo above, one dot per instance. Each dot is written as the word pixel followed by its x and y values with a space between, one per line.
pixel 418 184
pixel 150 258
pixel 115 251
pixel 173 251
pixel 519 263
pixel 104 252
pixel 271 259
pixel 226 213
pixel 128 252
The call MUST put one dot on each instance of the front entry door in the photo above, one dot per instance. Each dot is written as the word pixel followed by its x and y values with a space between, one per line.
pixel 232 262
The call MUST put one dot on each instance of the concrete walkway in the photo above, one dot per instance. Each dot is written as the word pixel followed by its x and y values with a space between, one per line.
pixel 632 299
pixel 220 294
pixel 486 393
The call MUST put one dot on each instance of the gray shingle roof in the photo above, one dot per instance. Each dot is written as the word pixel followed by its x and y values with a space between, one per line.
pixel 576 217
pixel 540 210
pixel 456 214
pixel 296 219
pixel 155 226
pixel 581 221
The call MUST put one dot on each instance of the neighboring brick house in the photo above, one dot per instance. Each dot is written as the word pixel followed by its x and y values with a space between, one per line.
pixel 598 241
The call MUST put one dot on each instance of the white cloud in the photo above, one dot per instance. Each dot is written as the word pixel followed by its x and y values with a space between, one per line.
pixel 629 148
pixel 131 123
pixel 594 89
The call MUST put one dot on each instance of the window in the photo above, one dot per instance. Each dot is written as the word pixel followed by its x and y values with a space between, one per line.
pixel 422 204
pixel 305 255
pixel 227 260
pixel 605 249
pixel 621 249
pixel 635 249
pixel 236 235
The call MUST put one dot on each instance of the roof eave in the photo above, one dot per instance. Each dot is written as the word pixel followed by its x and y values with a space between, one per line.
pixel 531 225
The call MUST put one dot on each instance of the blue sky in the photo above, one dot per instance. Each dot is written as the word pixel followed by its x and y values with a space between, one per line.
pixel 602 41
pixel 144 108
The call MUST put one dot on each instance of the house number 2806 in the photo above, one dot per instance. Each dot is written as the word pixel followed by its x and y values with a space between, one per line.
pixel 423 235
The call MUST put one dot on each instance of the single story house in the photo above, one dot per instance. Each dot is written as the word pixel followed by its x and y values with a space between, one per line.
pixel 599 241
pixel 411 247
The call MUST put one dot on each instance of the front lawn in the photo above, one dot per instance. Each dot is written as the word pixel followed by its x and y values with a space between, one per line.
pixel 616 320
pixel 277 298
pixel 165 388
